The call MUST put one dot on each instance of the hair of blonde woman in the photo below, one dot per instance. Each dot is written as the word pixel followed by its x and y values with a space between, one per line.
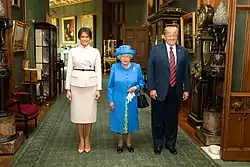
pixel 169 29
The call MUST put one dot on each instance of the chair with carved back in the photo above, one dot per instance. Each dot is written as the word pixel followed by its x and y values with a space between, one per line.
pixel 23 108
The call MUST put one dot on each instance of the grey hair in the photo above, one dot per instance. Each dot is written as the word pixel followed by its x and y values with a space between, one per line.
pixel 131 56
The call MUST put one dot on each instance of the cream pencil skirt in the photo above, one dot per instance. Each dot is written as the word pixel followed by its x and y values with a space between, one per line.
pixel 83 104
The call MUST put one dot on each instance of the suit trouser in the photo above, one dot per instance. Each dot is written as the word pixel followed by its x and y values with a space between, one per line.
pixel 164 121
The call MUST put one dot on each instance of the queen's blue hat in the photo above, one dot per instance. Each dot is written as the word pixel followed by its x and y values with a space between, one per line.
pixel 124 49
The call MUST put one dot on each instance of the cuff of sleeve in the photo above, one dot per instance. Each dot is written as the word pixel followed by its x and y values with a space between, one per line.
pixel 98 88
pixel 67 87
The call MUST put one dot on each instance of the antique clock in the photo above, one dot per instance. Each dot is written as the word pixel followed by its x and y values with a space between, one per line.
pixel 201 93
pixel 205 16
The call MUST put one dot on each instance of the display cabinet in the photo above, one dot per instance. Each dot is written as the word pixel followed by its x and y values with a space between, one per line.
pixel 45 59
pixel 166 16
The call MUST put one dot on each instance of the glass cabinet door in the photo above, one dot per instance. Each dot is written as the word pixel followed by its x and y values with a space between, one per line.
pixel 46 59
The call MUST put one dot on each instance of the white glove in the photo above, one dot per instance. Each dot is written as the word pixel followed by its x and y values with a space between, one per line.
pixel 130 97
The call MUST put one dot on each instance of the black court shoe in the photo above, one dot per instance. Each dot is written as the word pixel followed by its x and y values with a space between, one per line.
pixel 119 149
pixel 131 148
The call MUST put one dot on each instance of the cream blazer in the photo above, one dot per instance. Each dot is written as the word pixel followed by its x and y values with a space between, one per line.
pixel 84 58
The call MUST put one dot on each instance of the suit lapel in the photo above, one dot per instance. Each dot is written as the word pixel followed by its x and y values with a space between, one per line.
pixel 164 47
pixel 178 56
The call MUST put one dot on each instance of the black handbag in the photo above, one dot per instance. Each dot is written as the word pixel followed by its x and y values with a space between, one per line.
pixel 142 100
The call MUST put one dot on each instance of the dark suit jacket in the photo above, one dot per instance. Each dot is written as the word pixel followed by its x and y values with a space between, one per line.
pixel 159 71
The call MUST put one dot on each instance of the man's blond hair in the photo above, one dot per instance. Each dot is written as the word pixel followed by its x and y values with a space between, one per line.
pixel 169 29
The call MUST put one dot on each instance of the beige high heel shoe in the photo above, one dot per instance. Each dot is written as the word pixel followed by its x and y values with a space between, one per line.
pixel 80 149
pixel 87 150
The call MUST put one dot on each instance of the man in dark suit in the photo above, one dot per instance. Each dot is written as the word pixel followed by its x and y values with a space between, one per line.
pixel 168 82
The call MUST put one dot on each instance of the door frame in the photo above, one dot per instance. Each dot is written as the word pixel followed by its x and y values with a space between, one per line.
pixel 233 153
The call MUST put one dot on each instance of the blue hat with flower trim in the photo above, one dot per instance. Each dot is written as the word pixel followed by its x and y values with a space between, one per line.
pixel 124 49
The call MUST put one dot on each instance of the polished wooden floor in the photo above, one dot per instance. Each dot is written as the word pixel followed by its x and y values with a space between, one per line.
pixel 5 161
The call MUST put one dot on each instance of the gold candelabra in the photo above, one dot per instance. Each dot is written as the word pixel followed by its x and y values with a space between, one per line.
pixel 109 47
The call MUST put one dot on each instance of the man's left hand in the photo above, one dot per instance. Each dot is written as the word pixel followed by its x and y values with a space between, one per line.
pixel 185 96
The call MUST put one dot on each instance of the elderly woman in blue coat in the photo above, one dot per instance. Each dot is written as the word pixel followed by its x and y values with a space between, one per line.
pixel 124 84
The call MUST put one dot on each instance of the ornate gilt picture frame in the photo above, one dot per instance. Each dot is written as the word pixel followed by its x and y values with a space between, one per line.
pixel 15 3
pixel 20 36
pixel 55 22
pixel 69 30
pixel 188 31
pixel 89 21
pixel 151 7
pixel 159 4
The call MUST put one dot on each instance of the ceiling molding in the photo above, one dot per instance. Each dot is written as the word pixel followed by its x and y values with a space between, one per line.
pixel 58 3
pixel 115 1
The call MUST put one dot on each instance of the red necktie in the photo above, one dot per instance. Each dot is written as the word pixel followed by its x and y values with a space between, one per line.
pixel 172 68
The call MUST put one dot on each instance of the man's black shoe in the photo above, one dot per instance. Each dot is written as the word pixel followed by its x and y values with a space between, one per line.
pixel 172 150
pixel 157 150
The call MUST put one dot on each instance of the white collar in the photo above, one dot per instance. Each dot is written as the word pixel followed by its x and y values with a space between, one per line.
pixel 86 47
pixel 168 46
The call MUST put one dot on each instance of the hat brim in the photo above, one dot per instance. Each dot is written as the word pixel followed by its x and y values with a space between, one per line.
pixel 131 52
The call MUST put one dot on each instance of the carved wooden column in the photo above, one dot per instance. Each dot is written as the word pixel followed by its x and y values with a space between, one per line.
pixel 8 39
pixel 10 139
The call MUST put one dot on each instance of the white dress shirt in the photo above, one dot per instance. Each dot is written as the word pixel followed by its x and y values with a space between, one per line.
pixel 174 51
pixel 84 58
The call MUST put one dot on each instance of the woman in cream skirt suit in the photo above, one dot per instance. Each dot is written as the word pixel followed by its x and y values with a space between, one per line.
pixel 83 85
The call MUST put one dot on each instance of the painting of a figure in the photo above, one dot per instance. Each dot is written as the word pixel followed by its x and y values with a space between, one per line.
pixel 151 7
pixel 188 31
pixel 20 36
pixel 159 4
pixel 15 3
pixel 69 30
pixel 89 21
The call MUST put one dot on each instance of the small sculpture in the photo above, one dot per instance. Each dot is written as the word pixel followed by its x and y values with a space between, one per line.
pixel 236 105
pixel 221 15
pixel 2 11
pixel 196 70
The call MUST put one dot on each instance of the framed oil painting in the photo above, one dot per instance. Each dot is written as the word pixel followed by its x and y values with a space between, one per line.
pixel 54 21
pixel 188 30
pixel 165 3
pixel 159 4
pixel 151 7
pixel 89 21
pixel 15 3
pixel 20 36
pixel 69 30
